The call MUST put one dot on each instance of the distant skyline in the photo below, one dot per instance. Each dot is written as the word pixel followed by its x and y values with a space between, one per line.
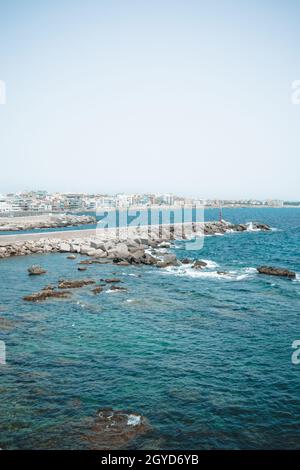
pixel 185 97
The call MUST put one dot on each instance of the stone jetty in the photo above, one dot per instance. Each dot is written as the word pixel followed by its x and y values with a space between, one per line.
pixel 115 245
pixel 44 221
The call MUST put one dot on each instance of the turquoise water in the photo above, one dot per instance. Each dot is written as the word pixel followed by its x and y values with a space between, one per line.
pixel 205 357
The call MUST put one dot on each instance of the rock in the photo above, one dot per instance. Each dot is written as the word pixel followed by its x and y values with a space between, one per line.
pixel 64 247
pixel 120 251
pixel 82 268
pixel 45 294
pixel 98 245
pixel 118 288
pixel 97 290
pixel 65 284
pixel 114 429
pixel 49 287
pixel 35 269
pixel 91 252
pixel 199 264
pixel 186 261
pixel 276 272
pixel 71 257
pixel 137 256
pixel 99 253
pixel 121 262
pixel 85 249
pixel 94 261
pixel 260 226
pixel 111 280
pixel 167 260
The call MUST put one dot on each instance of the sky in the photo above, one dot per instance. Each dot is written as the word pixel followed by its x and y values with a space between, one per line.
pixel 183 96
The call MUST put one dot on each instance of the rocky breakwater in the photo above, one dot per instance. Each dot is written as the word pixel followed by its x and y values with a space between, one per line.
pixel 104 246
pixel 43 222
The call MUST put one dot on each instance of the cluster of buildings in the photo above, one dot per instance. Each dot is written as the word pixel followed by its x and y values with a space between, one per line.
pixel 244 203
pixel 44 202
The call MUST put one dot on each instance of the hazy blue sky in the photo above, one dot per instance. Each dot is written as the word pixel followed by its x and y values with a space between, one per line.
pixel 191 97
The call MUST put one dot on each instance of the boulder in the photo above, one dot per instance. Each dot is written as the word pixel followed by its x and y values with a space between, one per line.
pixel 64 247
pixel 36 270
pixel 119 251
pixel 85 249
pixel 199 264
pixel 168 260
pixel 186 261
pixel 98 245
pixel 272 271
pixel 99 253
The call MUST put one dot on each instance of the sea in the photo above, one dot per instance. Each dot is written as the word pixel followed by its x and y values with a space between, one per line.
pixel 204 355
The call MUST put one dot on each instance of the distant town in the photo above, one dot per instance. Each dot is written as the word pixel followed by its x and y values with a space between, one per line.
pixel 45 202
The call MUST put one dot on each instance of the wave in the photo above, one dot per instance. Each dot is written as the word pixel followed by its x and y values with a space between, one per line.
pixel 133 420
pixel 210 273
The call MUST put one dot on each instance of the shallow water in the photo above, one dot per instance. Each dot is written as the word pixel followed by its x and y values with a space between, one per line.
pixel 206 358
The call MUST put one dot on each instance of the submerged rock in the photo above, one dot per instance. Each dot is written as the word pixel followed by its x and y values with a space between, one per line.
pixel 272 271
pixel 118 288
pixel 97 290
pixel 71 257
pixel 65 284
pixel 114 429
pixel 112 279
pixel 35 269
pixel 82 268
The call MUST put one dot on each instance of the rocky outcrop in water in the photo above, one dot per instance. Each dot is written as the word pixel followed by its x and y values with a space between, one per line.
pixel 46 294
pixel 66 284
pixel 35 270
pixel 114 429
pixel 272 271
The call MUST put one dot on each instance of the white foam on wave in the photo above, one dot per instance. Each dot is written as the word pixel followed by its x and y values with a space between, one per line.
pixel 133 420
pixel 251 228
pixel 210 264
pixel 188 271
